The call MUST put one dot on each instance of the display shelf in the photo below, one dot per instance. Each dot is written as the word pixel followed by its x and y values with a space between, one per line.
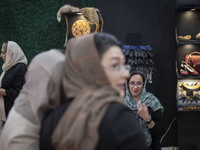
pixel 188 42
pixel 179 76
pixel 188 23
pixel 188 95
pixel 181 52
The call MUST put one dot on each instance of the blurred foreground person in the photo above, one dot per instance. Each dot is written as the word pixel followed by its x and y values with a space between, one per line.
pixel 39 94
pixel 93 116
pixel 12 77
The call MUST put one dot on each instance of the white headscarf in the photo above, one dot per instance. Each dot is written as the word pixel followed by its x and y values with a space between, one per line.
pixel 14 55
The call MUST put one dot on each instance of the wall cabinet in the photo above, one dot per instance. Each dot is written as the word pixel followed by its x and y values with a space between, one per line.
pixel 188 41
pixel 188 85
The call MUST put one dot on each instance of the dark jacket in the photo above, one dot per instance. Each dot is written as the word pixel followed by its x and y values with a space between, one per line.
pixel 118 130
pixel 12 82
pixel 157 131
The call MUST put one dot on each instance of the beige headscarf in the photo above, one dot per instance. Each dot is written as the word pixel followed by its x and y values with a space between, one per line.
pixel 14 55
pixel 85 81
pixel 42 85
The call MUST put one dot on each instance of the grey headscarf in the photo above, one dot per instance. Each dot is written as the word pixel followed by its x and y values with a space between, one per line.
pixel 150 101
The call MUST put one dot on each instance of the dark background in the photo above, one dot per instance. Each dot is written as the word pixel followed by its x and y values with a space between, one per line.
pixel 149 22
pixel 33 25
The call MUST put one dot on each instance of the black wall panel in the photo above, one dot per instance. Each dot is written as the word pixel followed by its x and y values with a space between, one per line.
pixel 142 22
pixel 187 2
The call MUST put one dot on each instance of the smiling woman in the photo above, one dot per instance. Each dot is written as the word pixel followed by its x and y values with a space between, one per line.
pixel 93 115
pixel 147 108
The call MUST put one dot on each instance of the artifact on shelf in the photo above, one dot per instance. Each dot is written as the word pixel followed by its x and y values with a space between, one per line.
pixel 183 70
pixel 185 67
pixel 188 94
pixel 140 58
pixel 198 36
pixel 80 21
pixel 184 38
pixel 193 60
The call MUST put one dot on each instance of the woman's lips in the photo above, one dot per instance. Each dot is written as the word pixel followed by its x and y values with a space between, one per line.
pixel 135 91
pixel 121 87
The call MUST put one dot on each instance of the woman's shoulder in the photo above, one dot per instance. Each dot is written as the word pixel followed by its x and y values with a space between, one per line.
pixel 120 129
pixel 152 102
pixel 117 111
pixel 19 67
pixel 115 108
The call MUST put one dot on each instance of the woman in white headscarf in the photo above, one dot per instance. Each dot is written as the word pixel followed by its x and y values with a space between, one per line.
pixel 12 77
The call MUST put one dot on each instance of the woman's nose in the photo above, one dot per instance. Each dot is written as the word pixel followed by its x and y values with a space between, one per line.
pixel 126 74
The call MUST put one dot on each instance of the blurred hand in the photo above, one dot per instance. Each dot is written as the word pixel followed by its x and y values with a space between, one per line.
pixel 143 111
pixel 2 92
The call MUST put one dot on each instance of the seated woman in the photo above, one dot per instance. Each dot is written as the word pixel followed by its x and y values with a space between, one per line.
pixel 93 115
pixel 147 107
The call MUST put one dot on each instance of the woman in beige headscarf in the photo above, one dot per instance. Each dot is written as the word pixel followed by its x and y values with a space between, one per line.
pixel 12 77
pixel 93 115
pixel 39 94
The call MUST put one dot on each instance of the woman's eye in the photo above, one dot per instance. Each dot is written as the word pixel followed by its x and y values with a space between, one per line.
pixel 116 66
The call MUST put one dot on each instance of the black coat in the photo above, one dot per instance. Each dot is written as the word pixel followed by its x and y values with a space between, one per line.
pixel 157 131
pixel 118 130
pixel 12 82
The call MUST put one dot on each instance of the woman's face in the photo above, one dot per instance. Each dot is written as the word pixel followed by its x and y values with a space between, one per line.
pixel 136 86
pixel 3 54
pixel 113 65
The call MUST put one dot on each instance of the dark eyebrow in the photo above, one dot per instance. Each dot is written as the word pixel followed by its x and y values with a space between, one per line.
pixel 117 58
pixel 136 81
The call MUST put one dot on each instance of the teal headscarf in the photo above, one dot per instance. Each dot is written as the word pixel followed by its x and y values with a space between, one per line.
pixel 150 101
